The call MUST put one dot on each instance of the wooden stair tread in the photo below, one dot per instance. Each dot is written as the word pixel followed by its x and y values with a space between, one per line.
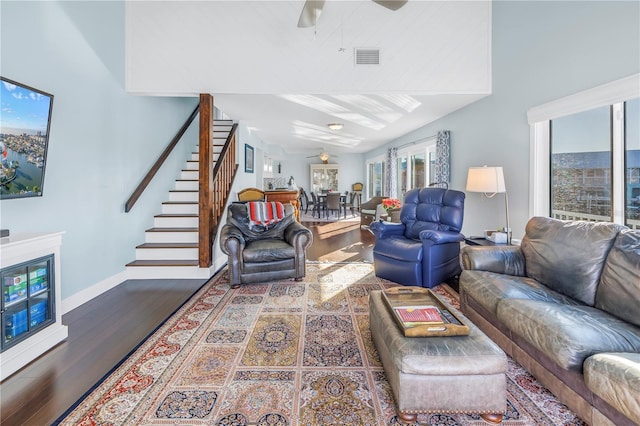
pixel 189 215
pixel 179 202
pixel 172 230
pixel 168 245
pixel 163 263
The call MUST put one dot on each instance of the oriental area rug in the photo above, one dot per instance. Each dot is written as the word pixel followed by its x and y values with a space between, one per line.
pixel 278 353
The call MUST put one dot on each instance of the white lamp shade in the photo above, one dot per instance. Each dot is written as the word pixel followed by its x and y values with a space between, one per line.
pixel 486 179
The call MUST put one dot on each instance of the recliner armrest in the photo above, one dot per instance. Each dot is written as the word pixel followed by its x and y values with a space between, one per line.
pixel 386 229
pixel 441 237
pixel 501 260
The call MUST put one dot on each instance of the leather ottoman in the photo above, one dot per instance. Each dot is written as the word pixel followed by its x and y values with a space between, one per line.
pixel 459 374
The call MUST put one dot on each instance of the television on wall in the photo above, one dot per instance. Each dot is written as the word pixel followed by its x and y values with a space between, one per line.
pixel 25 119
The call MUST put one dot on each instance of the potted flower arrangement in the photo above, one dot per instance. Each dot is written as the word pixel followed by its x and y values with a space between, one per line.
pixel 392 207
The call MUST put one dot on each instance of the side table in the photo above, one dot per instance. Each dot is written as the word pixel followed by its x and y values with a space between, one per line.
pixel 482 242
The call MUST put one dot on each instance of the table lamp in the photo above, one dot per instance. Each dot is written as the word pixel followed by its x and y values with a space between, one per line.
pixel 490 181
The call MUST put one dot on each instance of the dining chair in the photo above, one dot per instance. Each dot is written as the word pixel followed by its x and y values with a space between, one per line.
pixel 349 202
pixel 251 194
pixel 357 189
pixel 318 206
pixel 343 203
pixel 304 201
pixel 333 203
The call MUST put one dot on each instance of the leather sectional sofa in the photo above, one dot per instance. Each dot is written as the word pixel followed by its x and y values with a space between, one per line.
pixel 565 304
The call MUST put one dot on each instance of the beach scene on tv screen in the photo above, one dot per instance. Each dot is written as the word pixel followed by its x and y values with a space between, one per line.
pixel 24 117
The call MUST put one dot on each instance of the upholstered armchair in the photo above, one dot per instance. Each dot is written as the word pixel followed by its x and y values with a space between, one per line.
pixel 371 210
pixel 259 253
pixel 423 250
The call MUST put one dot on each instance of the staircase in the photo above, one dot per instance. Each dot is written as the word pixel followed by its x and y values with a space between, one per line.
pixel 170 249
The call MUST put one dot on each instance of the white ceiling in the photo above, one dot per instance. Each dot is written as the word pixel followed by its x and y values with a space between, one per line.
pixel 287 83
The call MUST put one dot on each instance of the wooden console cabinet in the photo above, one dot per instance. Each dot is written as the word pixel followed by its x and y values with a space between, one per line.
pixel 286 197
pixel 31 299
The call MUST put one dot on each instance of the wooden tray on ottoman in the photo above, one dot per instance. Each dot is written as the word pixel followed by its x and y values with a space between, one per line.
pixel 451 325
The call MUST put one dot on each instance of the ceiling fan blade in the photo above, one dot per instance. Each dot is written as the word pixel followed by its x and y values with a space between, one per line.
pixel 310 13
pixel 391 4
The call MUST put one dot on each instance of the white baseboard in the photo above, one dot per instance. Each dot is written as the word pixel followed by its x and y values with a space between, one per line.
pixel 83 296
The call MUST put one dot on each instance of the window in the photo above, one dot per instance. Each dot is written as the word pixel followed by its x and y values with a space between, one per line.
pixel 632 162
pixel 581 165
pixel 585 155
pixel 416 167
pixel 375 178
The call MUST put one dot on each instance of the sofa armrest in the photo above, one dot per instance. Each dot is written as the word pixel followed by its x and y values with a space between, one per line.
pixel 501 260
pixel 441 237
pixel 231 240
pixel 615 377
pixel 298 236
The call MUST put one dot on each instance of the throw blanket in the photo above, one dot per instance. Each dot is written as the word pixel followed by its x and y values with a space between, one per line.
pixel 265 213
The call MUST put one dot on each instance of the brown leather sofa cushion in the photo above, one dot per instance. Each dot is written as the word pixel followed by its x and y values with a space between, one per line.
pixel 568 256
pixel 619 289
pixel 489 289
pixel 568 334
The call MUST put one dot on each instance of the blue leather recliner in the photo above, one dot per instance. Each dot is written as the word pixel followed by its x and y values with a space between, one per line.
pixel 423 250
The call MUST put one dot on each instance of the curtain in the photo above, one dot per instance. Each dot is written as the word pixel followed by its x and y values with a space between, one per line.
pixel 443 142
pixel 391 181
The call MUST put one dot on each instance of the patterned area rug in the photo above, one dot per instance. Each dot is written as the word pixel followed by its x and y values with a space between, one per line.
pixel 280 353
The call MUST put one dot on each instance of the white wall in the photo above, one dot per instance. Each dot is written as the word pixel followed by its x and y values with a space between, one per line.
pixel 541 51
pixel 102 140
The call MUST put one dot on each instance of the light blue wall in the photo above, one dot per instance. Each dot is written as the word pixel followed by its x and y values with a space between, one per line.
pixel 246 180
pixel 542 50
pixel 102 140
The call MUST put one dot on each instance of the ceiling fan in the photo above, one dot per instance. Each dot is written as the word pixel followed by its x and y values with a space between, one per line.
pixel 324 156
pixel 312 9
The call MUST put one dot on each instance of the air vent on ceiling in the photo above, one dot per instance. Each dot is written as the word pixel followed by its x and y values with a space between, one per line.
pixel 367 56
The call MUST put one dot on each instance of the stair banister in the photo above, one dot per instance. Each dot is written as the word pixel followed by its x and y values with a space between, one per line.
pixel 214 183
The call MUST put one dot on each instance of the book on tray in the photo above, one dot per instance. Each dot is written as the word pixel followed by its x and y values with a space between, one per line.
pixel 419 315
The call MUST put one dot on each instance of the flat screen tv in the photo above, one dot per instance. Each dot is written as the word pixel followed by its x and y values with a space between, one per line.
pixel 25 119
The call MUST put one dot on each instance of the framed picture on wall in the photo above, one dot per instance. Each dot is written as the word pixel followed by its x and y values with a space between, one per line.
pixel 248 158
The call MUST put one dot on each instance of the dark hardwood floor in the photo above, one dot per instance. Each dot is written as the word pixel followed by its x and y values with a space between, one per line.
pixel 103 331
pixel 340 242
